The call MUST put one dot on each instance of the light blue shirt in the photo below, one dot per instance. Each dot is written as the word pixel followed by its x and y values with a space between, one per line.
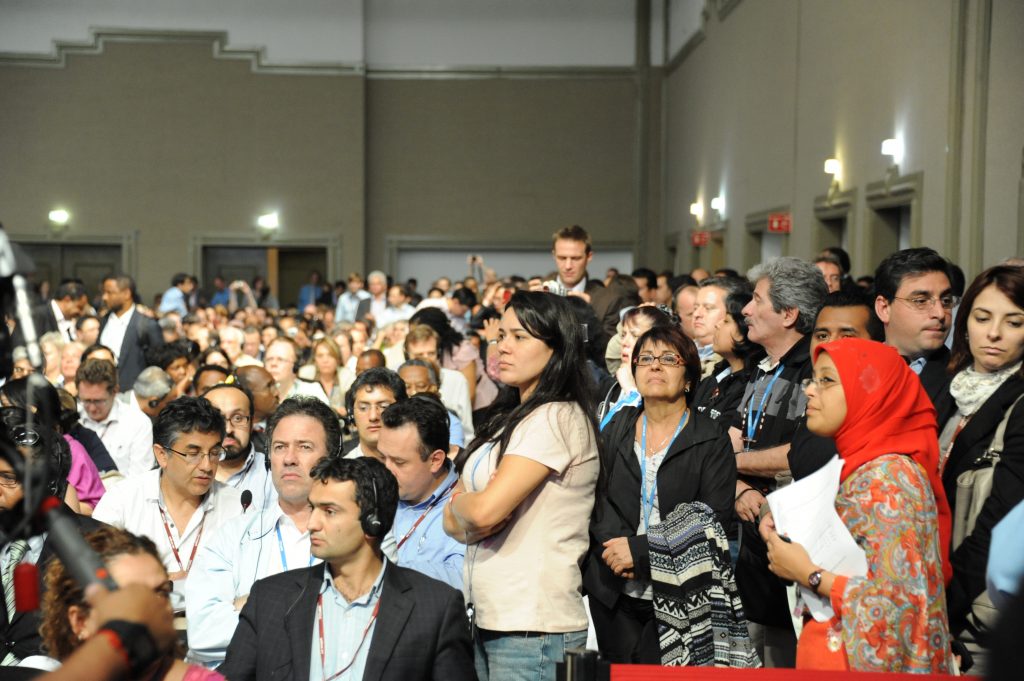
pixel 918 364
pixel 348 304
pixel 428 549
pixel 238 553
pixel 1006 557
pixel 344 627
pixel 173 300
pixel 456 433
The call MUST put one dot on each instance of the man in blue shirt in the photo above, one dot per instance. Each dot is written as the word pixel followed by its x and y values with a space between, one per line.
pixel 175 298
pixel 414 442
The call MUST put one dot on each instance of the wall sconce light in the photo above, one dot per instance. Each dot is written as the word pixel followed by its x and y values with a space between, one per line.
pixel 59 219
pixel 697 211
pixel 834 168
pixel 718 205
pixel 268 224
pixel 893 148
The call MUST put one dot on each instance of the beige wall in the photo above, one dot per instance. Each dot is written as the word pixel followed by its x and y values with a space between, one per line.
pixel 499 160
pixel 776 88
pixel 164 139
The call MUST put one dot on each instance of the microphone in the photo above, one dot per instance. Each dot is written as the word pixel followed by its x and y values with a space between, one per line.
pixel 81 561
pixel 246 500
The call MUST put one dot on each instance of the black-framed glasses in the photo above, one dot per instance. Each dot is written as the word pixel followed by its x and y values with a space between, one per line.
pixel 217 454
pixel 925 303
pixel 238 420
pixel 668 359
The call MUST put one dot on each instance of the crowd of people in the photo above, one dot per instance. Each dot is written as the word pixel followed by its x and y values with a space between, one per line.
pixel 467 484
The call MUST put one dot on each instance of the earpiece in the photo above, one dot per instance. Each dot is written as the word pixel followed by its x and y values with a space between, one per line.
pixel 370 520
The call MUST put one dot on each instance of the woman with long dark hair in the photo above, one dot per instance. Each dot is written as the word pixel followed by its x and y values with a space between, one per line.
pixel 988 348
pixel 526 494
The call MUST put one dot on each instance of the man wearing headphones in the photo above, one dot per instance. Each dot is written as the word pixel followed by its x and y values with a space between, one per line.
pixel 301 432
pixel 282 361
pixel 373 391
pixel 153 390
pixel 357 613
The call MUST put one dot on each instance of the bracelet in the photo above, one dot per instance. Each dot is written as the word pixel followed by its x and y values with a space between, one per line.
pixel 133 643
pixel 749 489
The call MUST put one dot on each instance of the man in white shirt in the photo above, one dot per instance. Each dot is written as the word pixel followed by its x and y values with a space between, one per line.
pixel 281 359
pixel 253 546
pixel 243 467
pixel 180 504
pixel 127 333
pixel 231 341
pixel 374 391
pixel 348 302
pixel 153 390
pixel 126 432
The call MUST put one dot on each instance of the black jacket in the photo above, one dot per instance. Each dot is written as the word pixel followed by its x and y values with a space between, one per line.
pixel 699 466
pixel 421 630
pixel 21 634
pixel 971 558
pixel 141 335
pixel 935 380
pixel 720 400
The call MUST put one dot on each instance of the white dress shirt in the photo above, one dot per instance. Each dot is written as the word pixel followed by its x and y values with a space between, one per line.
pixel 454 392
pixel 65 326
pixel 113 332
pixel 127 433
pixel 238 553
pixel 135 505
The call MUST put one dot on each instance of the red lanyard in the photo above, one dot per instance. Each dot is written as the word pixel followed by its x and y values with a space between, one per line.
pixel 423 515
pixel 323 650
pixel 174 549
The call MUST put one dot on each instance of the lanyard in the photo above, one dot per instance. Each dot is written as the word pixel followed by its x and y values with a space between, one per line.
pixel 754 418
pixel 647 501
pixel 323 648
pixel 280 547
pixel 427 510
pixel 174 549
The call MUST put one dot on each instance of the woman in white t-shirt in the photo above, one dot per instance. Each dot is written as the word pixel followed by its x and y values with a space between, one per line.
pixel 526 494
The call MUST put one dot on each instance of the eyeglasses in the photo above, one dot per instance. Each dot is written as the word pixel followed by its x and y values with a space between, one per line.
pixel 669 359
pixel 96 403
pixel 9 480
pixel 217 454
pixel 365 407
pixel 925 303
pixel 238 420
pixel 820 383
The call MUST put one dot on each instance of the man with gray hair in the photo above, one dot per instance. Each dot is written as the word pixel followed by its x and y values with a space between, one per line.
pixel 377 303
pixel 787 295
pixel 153 390
pixel 231 341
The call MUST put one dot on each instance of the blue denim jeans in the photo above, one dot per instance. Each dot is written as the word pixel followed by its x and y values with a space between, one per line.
pixel 522 656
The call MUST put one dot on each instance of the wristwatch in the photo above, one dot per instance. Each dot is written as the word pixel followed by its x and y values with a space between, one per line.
pixel 814 580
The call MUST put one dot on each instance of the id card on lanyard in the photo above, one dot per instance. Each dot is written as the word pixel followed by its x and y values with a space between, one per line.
pixel 754 418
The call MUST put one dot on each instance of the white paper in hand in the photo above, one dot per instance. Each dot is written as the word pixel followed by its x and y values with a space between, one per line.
pixel 805 511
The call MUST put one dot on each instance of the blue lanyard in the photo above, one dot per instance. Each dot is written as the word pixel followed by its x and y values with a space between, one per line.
pixel 647 500
pixel 754 418
pixel 280 547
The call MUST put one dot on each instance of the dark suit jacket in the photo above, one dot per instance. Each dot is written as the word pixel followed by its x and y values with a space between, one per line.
pixel 421 630
pixel 935 381
pixel 42 318
pixel 141 335
pixel 21 635
pixel 970 559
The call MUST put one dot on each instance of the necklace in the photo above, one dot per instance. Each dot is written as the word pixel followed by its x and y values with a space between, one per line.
pixel 665 440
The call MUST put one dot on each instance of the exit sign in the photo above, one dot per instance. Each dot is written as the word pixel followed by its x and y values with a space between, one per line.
pixel 780 223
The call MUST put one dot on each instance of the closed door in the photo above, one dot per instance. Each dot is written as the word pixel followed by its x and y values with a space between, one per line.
pixel 88 262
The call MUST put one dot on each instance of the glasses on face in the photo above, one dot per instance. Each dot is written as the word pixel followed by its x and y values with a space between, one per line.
pixel 238 420
pixel 668 359
pixel 925 303
pixel 9 480
pixel 215 455
pixel 96 403
pixel 820 383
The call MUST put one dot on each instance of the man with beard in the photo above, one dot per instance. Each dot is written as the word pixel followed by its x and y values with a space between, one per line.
pixel 243 467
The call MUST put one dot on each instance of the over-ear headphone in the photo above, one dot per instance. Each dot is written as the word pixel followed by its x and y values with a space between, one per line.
pixel 369 519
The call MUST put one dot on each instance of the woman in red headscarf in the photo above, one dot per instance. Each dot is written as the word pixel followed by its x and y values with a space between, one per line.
pixel 891 499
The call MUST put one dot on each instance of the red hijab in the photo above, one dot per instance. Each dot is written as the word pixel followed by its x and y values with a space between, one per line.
pixel 887 412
